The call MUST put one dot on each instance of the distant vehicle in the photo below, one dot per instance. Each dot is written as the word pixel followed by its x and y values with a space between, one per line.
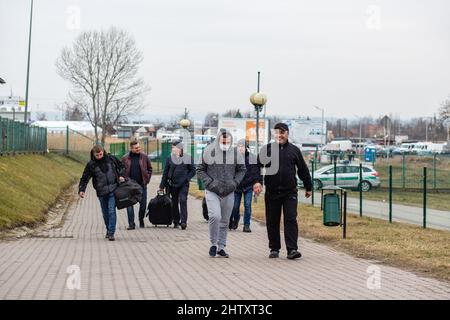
pixel 406 148
pixel 309 147
pixel 429 148
pixel 338 145
pixel 347 176
pixel 155 155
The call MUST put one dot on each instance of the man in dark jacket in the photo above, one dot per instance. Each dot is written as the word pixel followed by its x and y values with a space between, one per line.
pixel 139 168
pixel 252 176
pixel 285 161
pixel 178 172
pixel 222 169
pixel 106 171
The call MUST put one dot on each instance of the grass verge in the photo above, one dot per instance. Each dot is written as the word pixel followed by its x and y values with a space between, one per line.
pixel 30 184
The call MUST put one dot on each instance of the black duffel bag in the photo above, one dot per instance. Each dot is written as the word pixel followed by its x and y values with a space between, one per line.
pixel 160 210
pixel 127 194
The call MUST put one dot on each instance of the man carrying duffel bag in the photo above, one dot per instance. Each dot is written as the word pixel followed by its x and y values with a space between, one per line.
pixel 137 167
pixel 106 172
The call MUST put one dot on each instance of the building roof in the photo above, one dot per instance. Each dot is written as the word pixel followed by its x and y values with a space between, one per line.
pixel 82 126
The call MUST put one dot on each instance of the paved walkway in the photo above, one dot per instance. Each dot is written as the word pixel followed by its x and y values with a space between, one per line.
pixel 165 263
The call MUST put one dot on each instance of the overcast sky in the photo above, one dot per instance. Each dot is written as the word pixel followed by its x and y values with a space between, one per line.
pixel 351 57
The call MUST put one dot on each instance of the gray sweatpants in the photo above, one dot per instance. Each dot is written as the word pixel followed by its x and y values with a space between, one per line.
pixel 219 212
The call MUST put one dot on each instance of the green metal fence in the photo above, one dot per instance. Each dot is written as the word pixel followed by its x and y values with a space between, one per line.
pixel 407 170
pixel 17 137
pixel 74 144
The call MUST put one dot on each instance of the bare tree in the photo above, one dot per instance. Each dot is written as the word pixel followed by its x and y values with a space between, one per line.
pixel 211 120
pixel 444 110
pixel 41 116
pixel 71 112
pixel 232 113
pixel 102 67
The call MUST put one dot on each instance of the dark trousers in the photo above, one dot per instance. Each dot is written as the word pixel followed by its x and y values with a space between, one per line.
pixel 142 208
pixel 179 203
pixel 274 203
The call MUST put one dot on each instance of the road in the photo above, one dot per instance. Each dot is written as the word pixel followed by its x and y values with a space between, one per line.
pixel 436 219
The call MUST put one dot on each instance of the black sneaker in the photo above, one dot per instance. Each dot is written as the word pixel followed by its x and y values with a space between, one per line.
pixel 176 225
pixel 274 254
pixel 131 227
pixel 247 228
pixel 107 236
pixel 294 254
pixel 212 251
pixel 223 254
pixel 235 225
pixel 141 224
pixel 183 226
pixel 230 225
pixel 111 237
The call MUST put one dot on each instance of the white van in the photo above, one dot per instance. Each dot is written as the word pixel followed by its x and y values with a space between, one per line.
pixel 339 145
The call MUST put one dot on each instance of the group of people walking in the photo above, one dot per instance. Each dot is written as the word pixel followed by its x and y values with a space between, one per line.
pixel 229 174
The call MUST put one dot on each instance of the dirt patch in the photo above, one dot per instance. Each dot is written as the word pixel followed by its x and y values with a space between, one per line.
pixel 54 217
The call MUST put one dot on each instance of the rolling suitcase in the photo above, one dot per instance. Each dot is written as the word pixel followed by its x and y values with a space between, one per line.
pixel 160 210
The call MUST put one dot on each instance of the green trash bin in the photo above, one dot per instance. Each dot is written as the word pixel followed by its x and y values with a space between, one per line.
pixel 331 210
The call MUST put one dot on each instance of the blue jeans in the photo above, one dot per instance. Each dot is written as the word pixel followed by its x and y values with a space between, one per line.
pixel 142 208
pixel 247 206
pixel 108 205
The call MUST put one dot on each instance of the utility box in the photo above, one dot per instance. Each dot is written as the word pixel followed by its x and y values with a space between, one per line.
pixel 370 153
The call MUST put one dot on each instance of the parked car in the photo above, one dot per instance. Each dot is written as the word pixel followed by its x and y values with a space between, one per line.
pixel 155 155
pixel 347 176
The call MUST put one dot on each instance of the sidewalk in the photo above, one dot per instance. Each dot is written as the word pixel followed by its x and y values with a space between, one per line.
pixel 167 263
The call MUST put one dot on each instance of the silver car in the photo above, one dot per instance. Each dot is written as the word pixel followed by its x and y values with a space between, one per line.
pixel 347 176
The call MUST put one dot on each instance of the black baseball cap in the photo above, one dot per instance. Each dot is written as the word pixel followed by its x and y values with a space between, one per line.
pixel 281 126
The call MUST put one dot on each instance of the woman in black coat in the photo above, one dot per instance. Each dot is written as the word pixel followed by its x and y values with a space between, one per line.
pixel 178 172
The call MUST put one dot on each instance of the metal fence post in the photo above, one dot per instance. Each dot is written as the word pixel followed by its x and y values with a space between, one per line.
pixel 158 160
pixel 312 180
pixel 335 169
pixel 360 191
pixel 434 171
pixel 404 171
pixel 390 193
pixel 424 197
pixel 67 139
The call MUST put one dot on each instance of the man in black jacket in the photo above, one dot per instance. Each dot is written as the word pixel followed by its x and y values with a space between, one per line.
pixel 252 176
pixel 178 172
pixel 281 190
pixel 106 171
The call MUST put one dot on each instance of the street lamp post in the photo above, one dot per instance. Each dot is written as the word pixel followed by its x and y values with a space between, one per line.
pixel 258 100
pixel 323 119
